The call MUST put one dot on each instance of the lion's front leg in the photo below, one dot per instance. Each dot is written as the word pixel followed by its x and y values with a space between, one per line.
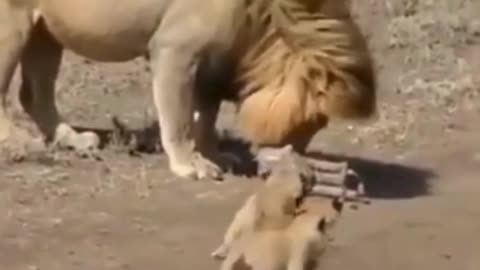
pixel 15 26
pixel 174 72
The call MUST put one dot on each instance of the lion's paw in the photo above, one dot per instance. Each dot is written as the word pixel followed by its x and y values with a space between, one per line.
pixel 198 167
pixel 16 144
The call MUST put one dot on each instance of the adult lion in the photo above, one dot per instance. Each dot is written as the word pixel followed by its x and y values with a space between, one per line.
pixel 290 65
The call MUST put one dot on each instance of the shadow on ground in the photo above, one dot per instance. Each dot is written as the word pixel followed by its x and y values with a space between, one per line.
pixel 383 180
pixel 144 139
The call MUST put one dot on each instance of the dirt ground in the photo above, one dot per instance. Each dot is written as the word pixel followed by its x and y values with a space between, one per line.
pixel 420 157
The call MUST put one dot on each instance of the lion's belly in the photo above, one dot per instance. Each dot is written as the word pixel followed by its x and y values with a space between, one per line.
pixel 103 30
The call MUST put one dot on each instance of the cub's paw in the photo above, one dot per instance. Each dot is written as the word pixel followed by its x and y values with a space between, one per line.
pixel 220 253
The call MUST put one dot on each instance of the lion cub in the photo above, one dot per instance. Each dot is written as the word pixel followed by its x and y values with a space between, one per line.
pixel 274 205
pixel 291 248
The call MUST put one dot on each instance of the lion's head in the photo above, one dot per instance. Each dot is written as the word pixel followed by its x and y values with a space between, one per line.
pixel 310 64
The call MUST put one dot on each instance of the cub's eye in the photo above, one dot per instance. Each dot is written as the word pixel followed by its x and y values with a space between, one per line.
pixel 299 200
pixel 305 179
pixel 321 226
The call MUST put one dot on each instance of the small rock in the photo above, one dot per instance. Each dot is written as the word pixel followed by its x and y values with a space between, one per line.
pixel 447 256
pixel 140 228
pixel 57 221
pixel 474 28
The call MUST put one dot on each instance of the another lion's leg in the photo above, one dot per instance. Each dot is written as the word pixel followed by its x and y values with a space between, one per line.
pixel 242 222
pixel 15 25
pixel 207 136
pixel 174 72
pixel 40 65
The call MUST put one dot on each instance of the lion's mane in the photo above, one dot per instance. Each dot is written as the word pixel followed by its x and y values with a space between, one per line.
pixel 308 62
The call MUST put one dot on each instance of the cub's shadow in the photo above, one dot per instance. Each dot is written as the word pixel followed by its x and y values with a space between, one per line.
pixel 386 180
pixel 383 180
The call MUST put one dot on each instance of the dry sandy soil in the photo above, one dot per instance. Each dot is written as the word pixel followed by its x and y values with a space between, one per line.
pixel 420 157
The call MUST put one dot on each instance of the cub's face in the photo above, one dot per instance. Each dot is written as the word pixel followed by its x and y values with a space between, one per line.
pixel 322 213
pixel 321 225
pixel 328 214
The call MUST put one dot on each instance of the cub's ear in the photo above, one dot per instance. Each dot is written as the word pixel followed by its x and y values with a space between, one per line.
pixel 322 225
pixel 337 204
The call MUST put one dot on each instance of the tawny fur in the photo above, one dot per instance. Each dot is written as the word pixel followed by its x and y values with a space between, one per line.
pixel 311 65
pixel 290 248
pixel 274 205
pixel 291 65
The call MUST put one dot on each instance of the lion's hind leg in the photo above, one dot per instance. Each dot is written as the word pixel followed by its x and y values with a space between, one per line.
pixel 41 61
pixel 15 24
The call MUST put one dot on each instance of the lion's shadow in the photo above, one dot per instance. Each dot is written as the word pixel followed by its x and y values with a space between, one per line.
pixel 383 180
